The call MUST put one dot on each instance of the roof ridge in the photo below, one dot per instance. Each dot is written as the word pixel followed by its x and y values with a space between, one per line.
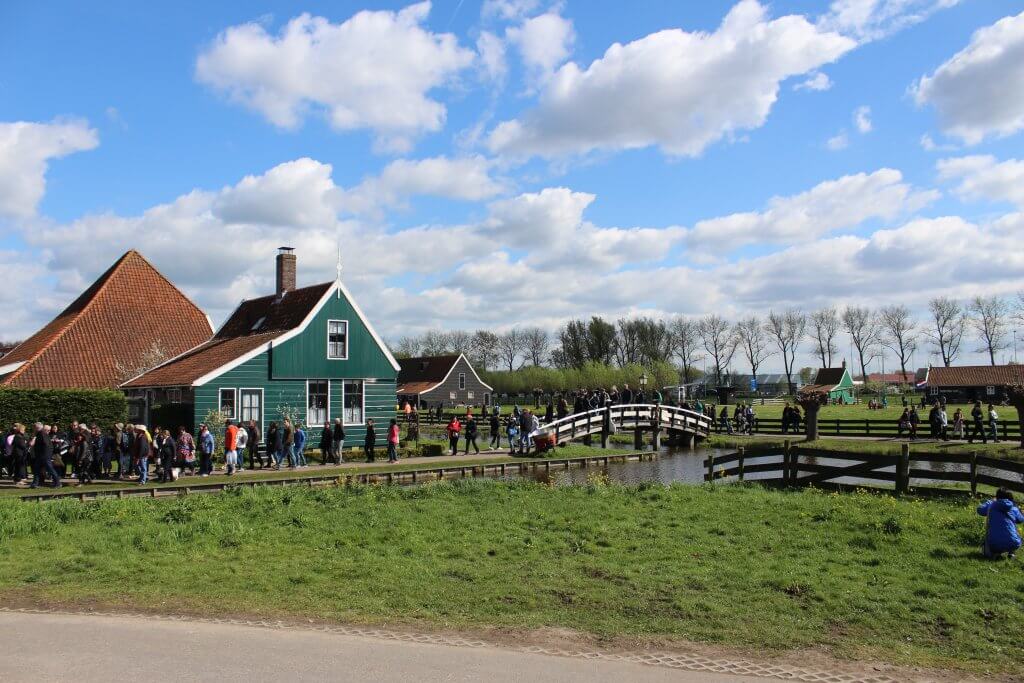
pixel 168 281
pixel 103 280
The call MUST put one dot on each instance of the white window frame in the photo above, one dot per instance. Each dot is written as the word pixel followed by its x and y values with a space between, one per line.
pixel 452 396
pixel 347 328
pixel 263 407
pixel 328 383
pixel 462 381
pixel 344 416
pixel 470 396
pixel 174 395
pixel 234 404
pixel 990 391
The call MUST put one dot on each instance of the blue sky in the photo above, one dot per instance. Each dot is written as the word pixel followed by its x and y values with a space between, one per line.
pixel 490 163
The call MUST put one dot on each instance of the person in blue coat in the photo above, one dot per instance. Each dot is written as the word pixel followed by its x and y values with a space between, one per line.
pixel 1001 519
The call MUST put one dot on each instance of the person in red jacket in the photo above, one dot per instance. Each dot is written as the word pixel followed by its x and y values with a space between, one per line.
pixel 230 444
pixel 393 441
pixel 454 429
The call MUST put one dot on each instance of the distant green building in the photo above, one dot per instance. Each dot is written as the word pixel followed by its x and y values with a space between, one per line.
pixel 309 354
pixel 837 382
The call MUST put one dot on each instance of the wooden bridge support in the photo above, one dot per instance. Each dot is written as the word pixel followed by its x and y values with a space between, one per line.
pixel 638 438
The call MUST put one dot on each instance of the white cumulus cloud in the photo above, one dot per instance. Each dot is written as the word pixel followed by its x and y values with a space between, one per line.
pixel 818 81
pixel 862 119
pixel 26 148
pixel 675 89
pixel 868 20
pixel 374 70
pixel 984 177
pixel 544 41
pixel 979 92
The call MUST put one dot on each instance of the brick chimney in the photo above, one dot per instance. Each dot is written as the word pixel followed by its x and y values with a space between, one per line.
pixel 285 270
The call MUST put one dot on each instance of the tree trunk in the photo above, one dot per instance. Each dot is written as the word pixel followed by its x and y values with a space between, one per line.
pixel 811 421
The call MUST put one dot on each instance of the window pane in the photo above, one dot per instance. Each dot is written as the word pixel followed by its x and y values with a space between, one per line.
pixel 227 403
pixel 316 409
pixel 353 402
pixel 462 381
pixel 337 339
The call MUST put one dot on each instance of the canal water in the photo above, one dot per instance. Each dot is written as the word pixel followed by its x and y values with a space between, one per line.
pixel 687 466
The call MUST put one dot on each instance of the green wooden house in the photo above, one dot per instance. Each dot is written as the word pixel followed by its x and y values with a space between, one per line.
pixel 308 354
pixel 837 382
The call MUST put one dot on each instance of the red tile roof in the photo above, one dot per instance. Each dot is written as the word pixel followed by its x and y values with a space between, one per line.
pixel 253 324
pixel 976 376
pixel 892 377
pixel 117 319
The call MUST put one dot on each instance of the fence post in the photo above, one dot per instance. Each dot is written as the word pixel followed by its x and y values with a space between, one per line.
pixel 974 473
pixel 711 468
pixel 903 470
pixel 839 429
pixel 867 427
pixel 741 452
pixel 787 468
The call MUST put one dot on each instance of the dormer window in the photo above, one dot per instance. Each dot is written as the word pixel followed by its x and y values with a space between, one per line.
pixel 258 324
pixel 337 339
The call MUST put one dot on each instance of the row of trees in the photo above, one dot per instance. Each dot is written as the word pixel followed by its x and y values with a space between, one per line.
pixel 751 341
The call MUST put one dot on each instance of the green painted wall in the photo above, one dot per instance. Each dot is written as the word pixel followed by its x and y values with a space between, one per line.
pixel 277 393
pixel 306 355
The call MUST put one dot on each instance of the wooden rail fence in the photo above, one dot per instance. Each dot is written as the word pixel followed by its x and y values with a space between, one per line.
pixel 799 466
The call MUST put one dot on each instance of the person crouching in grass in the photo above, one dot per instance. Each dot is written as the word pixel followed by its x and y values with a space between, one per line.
pixel 1001 519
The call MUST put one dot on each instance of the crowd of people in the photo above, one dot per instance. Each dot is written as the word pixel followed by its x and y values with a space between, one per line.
pixel 984 424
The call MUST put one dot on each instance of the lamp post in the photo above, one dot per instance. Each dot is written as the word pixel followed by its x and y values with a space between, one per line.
pixel 643 384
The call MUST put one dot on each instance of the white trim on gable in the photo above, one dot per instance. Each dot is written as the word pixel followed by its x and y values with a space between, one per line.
pixel 366 323
pixel 462 356
pixel 11 367
pixel 338 286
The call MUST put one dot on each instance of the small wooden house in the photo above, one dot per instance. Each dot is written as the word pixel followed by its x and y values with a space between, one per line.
pixel 308 354
pixel 837 382
pixel 971 382
pixel 446 380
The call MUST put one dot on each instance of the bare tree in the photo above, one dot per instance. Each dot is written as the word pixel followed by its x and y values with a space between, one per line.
pixel 716 335
pixel 434 343
pixel 949 320
pixel 510 346
pixel 865 331
pixel 685 340
pixel 627 342
pixel 753 342
pixel 407 347
pixel 485 349
pixel 900 334
pixel 787 330
pixel 824 328
pixel 152 356
pixel 460 342
pixel 989 317
pixel 536 345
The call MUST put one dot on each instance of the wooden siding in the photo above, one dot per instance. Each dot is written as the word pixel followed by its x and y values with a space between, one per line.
pixel 306 354
pixel 255 374
pixel 443 392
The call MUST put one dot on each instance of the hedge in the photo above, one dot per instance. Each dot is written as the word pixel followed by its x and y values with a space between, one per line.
pixel 61 406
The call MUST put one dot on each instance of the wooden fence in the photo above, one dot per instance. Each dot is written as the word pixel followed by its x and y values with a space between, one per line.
pixel 829 427
pixel 799 466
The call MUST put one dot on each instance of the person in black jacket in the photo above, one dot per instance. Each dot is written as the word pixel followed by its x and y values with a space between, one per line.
pixel 19 454
pixel 168 455
pixel 495 426
pixel 327 444
pixel 42 458
pixel 370 442
pixel 84 455
pixel 275 444
pixel 471 434
pixel 252 430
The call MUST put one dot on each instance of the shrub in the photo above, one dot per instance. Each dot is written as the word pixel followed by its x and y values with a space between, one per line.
pixel 61 406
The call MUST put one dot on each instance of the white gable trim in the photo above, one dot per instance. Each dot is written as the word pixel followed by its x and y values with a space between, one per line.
pixel 338 286
pixel 11 367
pixel 373 333
pixel 462 356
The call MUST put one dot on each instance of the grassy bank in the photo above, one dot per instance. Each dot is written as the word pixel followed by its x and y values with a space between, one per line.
pixel 863 575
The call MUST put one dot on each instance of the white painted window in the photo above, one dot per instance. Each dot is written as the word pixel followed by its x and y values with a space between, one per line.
pixel 337 339
pixel 462 381
pixel 252 406
pixel 318 399
pixel 452 395
pixel 470 395
pixel 174 395
pixel 990 391
pixel 354 402
pixel 227 403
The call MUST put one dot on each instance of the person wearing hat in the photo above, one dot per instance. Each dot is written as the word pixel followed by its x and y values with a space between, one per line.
pixel 140 453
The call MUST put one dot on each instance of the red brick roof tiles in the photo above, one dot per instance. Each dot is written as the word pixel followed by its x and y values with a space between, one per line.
pixel 976 376
pixel 118 318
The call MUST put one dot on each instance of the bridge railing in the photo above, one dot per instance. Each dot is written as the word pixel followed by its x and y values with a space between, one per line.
pixel 628 416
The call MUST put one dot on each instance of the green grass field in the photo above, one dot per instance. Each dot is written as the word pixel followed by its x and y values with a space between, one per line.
pixel 1004 449
pixel 862 575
